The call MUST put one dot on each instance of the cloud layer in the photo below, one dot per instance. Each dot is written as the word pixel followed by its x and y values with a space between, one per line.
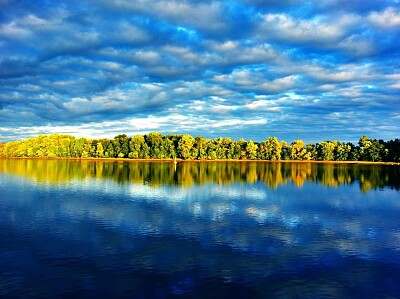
pixel 249 68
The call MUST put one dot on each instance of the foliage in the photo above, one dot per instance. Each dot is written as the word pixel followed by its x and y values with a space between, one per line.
pixel 298 151
pixel 155 145
pixel 371 149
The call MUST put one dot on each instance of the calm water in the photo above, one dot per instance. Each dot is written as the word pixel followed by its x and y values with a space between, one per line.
pixel 198 230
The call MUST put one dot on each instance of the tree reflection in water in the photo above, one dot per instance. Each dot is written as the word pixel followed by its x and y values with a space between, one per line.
pixel 185 174
pixel 229 229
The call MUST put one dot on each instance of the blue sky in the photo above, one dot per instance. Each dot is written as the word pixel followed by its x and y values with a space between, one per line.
pixel 310 70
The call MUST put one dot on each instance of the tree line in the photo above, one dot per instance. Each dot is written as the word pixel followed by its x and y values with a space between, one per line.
pixel 155 145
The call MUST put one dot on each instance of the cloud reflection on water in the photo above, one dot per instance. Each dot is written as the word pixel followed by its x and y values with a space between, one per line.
pixel 147 217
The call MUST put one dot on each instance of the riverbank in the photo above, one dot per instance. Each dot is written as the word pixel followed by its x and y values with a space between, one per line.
pixel 203 160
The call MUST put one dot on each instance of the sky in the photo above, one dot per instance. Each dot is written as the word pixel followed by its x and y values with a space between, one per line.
pixel 293 69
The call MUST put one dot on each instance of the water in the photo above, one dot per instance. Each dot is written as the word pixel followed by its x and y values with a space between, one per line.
pixel 198 230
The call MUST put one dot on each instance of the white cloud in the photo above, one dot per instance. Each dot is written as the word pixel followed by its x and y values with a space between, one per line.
pixel 120 99
pixel 222 109
pixel 285 27
pixel 128 32
pixel 13 31
pixel 205 16
pixel 256 81
pixel 264 105
pixel 388 18
pixel 228 123
pixel 358 45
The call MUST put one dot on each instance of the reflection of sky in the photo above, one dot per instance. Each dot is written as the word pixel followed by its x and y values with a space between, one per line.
pixel 98 232
pixel 311 219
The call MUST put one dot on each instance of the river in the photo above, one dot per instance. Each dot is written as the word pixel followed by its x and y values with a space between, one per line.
pixel 198 229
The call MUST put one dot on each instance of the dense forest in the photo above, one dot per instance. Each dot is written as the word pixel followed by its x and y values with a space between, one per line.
pixel 183 146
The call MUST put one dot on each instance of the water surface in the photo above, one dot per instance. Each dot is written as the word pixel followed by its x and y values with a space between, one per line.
pixel 198 230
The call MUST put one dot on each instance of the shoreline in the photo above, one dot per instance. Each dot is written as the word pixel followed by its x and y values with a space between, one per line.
pixel 202 160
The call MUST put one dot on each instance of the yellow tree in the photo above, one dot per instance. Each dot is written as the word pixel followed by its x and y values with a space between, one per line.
pixel 99 150
pixel 297 151
pixel 185 145
pixel 251 150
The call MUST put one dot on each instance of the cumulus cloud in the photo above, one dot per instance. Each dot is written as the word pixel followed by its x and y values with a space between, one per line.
pixel 388 18
pixel 207 16
pixel 285 27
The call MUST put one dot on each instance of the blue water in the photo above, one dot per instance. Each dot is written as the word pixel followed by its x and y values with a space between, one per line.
pixel 103 235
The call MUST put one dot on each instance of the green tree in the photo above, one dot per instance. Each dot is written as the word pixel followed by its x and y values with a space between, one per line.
pixel 343 151
pixel 240 149
pixel 121 146
pixel 211 150
pixel 154 141
pixel 219 148
pixel 109 151
pixel 89 149
pixel 200 144
pixel 326 150
pixel 185 145
pixel 77 147
pixel 393 150
pixel 138 147
pixel 285 155
pixel 229 150
pixel 312 151
pixel 99 150
pixel 155 145
pixel 168 148
pixel 371 149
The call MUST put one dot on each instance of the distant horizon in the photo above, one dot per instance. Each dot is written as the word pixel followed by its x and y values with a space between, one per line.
pixel 315 71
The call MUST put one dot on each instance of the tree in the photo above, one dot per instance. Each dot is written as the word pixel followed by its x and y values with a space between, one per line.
pixel 121 146
pixel 219 148
pixel 168 148
pixel 138 147
pixel 240 149
pixel 285 155
pixel 271 149
pixel 2 147
pixel 371 149
pixel 99 150
pixel 88 149
pixel 393 147
pixel 251 150
pixel 211 153
pixel 185 145
pixel 77 146
pixel 297 151
pixel 325 150
pixel 155 145
pixel 228 148
pixel 343 151
pixel 154 141
pixel 200 146
pixel 312 151
pixel 109 150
